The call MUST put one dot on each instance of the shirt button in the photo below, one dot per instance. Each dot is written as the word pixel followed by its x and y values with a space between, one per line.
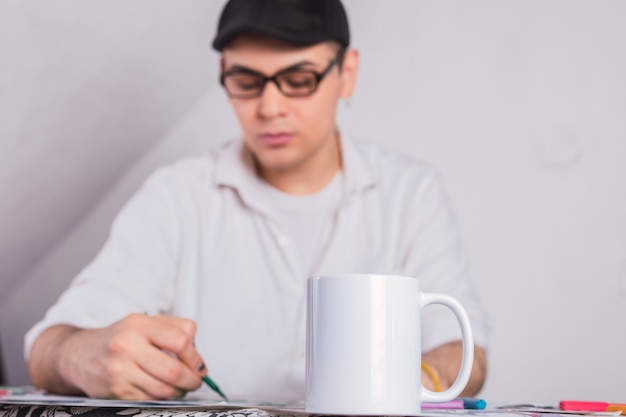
pixel 283 241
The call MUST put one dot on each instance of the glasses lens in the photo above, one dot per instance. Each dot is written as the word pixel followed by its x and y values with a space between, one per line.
pixel 243 84
pixel 297 83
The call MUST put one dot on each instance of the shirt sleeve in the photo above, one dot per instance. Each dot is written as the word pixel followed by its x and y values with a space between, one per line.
pixel 436 256
pixel 134 271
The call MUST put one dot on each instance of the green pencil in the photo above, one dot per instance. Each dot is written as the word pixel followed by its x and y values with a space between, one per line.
pixel 214 386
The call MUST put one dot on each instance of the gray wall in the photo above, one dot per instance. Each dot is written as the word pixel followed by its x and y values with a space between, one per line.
pixel 519 104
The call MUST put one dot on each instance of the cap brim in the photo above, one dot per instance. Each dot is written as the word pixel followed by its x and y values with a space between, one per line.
pixel 228 35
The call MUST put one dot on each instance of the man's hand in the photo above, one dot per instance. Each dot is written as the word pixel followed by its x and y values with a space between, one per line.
pixel 445 361
pixel 139 357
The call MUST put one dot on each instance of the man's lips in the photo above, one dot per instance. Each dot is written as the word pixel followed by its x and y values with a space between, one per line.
pixel 275 139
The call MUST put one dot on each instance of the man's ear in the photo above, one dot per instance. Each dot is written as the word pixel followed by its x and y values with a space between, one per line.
pixel 349 73
pixel 222 64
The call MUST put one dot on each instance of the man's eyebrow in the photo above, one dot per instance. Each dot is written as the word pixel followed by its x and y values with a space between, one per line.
pixel 240 68
pixel 294 67
pixel 298 65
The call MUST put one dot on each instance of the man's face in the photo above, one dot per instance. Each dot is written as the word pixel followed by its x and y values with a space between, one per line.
pixel 289 134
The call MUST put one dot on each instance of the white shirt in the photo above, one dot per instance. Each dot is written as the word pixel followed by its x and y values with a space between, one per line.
pixel 200 240
pixel 305 220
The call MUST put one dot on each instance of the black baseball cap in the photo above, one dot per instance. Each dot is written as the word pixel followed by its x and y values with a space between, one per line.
pixel 298 22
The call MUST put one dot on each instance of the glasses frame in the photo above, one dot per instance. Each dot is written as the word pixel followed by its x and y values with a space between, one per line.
pixel 319 76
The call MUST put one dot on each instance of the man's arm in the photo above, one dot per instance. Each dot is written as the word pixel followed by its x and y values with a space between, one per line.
pixel 139 357
pixel 445 361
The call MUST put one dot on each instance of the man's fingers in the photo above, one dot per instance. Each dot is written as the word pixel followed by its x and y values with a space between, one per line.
pixel 140 385
pixel 169 354
pixel 176 335
pixel 168 369
pixel 153 357
pixel 155 389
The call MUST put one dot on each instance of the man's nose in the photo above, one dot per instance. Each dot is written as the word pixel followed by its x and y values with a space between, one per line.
pixel 271 101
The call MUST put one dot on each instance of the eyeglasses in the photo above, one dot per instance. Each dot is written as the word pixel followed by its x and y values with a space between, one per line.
pixel 247 83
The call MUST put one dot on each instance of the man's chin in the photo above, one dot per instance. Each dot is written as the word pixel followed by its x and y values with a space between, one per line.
pixel 276 160
pixel 278 166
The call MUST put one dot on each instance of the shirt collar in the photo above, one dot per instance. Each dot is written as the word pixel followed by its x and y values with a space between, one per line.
pixel 235 168
pixel 359 171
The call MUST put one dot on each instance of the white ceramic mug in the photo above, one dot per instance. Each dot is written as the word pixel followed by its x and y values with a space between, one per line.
pixel 363 345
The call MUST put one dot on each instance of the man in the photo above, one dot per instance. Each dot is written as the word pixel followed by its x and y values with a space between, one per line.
pixel 208 261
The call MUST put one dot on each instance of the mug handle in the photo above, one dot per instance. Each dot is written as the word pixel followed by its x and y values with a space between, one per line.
pixel 468 348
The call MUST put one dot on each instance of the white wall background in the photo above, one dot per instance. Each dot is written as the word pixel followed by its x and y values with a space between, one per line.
pixel 520 104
